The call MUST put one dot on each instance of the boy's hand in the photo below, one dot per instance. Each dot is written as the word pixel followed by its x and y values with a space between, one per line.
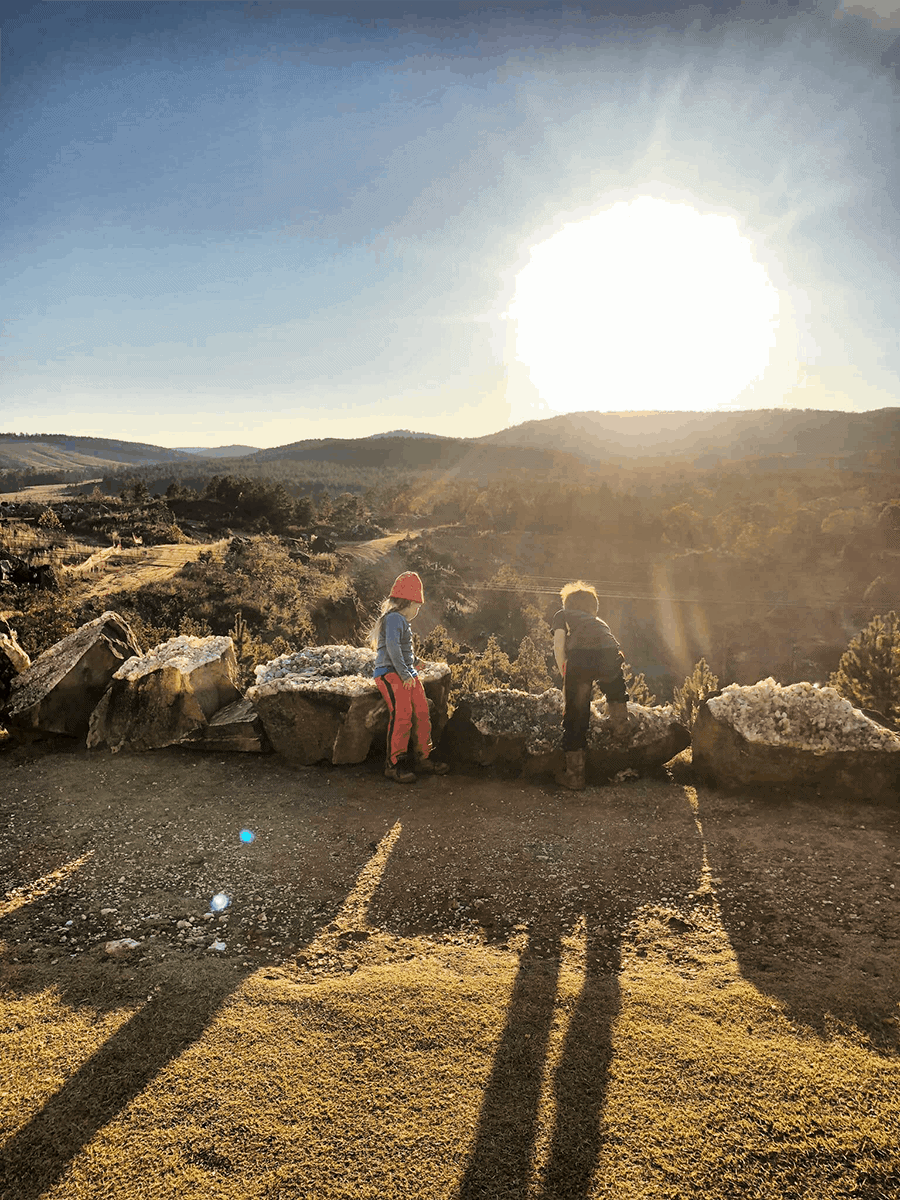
pixel 409 683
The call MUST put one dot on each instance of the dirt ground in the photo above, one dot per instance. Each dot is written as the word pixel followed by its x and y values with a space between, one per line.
pixel 225 869
pixel 102 848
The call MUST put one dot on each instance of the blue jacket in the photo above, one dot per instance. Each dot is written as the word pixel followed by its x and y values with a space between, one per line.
pixel 395 652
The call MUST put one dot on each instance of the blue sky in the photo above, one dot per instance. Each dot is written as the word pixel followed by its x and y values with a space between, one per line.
pixel 260 222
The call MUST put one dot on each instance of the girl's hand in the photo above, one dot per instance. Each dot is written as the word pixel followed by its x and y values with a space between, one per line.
pixel 409 683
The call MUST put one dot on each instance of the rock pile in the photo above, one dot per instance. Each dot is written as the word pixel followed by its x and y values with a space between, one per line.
pixel 323 704
pixel 524 732
pixel 802 733
pixel 58 692
pixel 160 698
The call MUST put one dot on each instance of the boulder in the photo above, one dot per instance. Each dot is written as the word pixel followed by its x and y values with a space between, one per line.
pixel 795 735
pixel 61 688
pixel 523 732
pixel 235 727
pixel 156 699
pixel 13 659
pixel 322 704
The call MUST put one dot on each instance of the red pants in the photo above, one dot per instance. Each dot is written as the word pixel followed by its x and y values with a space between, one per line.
pixel 407 716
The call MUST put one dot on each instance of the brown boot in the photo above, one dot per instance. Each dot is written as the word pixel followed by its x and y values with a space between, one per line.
pixel 429 766
pixel 619 723
pixel 399 772
pixel 573 777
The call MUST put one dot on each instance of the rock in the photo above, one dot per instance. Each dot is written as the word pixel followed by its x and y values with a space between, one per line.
pixel 122 948
pixel 235 727
pixel 156 699
pixel 322 704
pixel 523 731
pixel 801 734
pixel 13 660
pixel 61 688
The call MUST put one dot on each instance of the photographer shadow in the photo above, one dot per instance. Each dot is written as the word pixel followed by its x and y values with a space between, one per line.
pixel 578 881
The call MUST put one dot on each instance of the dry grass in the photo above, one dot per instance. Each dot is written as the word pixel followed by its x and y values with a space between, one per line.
pixel 453 1071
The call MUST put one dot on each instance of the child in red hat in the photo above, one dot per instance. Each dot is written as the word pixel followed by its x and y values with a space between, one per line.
pixel 398 681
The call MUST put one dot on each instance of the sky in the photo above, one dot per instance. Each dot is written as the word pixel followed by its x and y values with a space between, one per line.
pixel 255 223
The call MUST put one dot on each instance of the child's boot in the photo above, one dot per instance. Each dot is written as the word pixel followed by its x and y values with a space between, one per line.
pixel 399 772
pixel 573 776
pixel 428 766
pixel 619 723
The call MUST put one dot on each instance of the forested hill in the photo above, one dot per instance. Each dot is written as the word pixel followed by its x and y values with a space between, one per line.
pixel 764 439
pixel 412 453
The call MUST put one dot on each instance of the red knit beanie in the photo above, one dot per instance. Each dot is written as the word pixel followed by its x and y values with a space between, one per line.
pixel 408 586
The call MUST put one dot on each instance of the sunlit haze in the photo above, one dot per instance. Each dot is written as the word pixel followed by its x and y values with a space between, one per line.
pixel 646 305
pixel 250 224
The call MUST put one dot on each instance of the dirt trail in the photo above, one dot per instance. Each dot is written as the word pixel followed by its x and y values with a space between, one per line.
pixel 134 568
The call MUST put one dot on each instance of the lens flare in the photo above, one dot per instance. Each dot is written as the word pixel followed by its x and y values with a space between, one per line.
pixel 247 836
pixel 219 902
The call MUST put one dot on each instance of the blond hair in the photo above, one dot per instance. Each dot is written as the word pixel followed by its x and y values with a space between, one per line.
pixel 581 596
pixel 392 604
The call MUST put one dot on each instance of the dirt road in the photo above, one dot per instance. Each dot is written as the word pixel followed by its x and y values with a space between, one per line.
pixel 134 567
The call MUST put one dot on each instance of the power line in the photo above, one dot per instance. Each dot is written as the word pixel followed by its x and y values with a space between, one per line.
pixel 657 596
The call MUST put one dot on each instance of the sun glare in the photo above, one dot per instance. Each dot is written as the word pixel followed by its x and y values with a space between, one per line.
pixel 647 305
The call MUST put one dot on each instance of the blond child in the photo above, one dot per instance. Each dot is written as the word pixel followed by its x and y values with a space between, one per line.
pixel 585 651
pixel 409 725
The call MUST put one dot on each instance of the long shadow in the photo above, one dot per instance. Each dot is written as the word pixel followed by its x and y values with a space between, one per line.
pixel 181 1009
pixel 804 887
pixel 34 1158
pixel 594 861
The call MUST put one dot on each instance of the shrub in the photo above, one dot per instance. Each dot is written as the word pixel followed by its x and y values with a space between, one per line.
pixel 637 687
pixel 868 674
pixel 688 698
pixel 529 672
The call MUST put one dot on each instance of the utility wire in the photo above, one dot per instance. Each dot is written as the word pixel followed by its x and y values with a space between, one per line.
pixel 609 595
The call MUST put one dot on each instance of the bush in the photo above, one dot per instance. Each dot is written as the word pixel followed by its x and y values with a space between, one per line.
pixel 688 698
pixel 637 687
pixel 868 674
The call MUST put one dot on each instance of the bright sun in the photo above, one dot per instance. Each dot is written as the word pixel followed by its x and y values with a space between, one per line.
pixel 648 305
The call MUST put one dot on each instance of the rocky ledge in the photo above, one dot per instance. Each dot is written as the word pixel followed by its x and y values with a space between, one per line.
pixel 799 734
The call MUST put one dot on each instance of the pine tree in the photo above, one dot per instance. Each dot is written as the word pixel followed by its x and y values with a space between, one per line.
pixel 696 688
pixel 868 674
pixel 529 672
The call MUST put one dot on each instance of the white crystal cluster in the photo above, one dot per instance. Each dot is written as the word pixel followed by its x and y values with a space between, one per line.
pixel 341 670
pixel 539 719
pixel 801 715
pixel 646 725
pixel 515 714
pixel 319 661
pixel 184 653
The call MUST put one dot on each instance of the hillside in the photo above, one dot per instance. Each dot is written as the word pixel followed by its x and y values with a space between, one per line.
pixel 764 439
pixel 407 452
pixel 218 451
pixel 65 452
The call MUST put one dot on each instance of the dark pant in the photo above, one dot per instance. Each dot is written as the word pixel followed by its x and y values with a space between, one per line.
pixel 582 669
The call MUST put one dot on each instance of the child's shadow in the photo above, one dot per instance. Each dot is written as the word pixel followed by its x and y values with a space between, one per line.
pixel 588 871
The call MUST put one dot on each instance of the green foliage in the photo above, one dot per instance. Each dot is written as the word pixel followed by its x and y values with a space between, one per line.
pixel 637 687
pixel 488 670
pixel 529 671
pixel 43 619
pixel 696 688
pixel 868 674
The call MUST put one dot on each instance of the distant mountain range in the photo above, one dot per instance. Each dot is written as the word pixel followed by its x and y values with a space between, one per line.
pixel 758 439
pixel 219 451
pixel 764 438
